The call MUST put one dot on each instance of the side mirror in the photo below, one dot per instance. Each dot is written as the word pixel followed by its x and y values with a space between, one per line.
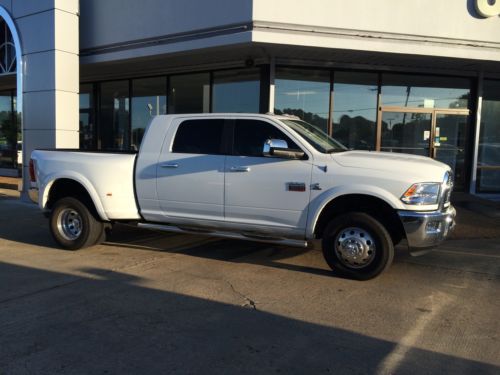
pixel 278 148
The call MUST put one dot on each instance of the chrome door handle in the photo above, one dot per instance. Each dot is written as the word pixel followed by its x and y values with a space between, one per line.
pixel 240 169
pixel 169 165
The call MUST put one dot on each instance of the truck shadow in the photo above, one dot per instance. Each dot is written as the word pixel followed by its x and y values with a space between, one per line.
pixel 102 321
pixel 27 225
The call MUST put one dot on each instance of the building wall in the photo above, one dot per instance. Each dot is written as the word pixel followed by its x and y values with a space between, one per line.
pixel 135 20
pixel 424 27
pixel 427 18
pixel 48 73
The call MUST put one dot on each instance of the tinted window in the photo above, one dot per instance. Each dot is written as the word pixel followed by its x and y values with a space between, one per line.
pixel 304 93
pixel 189 93
pixel 199 137
pixel 244 82
pixel 250 135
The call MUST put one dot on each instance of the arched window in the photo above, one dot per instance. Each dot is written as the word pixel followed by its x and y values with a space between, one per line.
pixel 7 50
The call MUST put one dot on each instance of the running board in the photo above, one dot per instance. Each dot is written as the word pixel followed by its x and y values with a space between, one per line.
pixel 231 235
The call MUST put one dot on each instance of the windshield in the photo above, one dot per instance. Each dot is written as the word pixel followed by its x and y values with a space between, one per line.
pixel 316 137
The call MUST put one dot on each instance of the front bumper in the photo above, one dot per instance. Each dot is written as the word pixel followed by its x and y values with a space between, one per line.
pixel 425 230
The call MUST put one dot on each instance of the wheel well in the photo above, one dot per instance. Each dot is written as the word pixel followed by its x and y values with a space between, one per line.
pixel 66 187
pixel 373 206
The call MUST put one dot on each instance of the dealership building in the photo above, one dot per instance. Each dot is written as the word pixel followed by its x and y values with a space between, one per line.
pixel 419 77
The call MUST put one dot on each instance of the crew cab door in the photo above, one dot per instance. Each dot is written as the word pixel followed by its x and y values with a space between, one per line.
pixel 265 192
pixel 190 170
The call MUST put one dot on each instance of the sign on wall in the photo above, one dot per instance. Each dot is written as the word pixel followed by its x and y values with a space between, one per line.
pixel 487 8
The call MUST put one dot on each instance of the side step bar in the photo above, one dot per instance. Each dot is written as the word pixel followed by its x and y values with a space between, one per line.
pixel 232 235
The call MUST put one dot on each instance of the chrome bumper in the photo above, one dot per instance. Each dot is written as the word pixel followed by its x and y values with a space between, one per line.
pixel 427 229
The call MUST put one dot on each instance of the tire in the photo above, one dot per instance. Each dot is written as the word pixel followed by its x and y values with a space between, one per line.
pixel 73 226
pixel 357 246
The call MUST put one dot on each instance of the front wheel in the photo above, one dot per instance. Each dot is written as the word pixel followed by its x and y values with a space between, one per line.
pixel 73 226
pixel 358 246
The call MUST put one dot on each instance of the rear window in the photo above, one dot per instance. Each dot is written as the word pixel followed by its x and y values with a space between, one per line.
pixel 203 136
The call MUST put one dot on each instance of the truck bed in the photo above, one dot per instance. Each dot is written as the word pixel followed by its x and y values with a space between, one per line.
pixel 108 176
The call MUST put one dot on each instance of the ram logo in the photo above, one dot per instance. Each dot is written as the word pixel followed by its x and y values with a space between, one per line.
pixel 487 8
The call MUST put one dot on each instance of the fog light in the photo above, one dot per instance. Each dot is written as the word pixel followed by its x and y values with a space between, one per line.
pixel 433 227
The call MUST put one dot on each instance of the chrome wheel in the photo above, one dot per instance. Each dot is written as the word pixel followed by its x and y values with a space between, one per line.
pixel 355 247
pixel 69 224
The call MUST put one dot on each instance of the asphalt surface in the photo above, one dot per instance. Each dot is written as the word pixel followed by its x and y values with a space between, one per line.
pixel 146 302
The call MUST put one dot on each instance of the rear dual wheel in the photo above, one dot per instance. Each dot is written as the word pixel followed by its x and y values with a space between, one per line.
pixel 73 226
pixel 357 246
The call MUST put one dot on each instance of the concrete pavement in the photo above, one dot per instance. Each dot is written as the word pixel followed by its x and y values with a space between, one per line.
pixel 147 302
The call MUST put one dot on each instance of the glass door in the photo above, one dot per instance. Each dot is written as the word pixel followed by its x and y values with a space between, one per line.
pixel 438 133
pixel 406 132
pixel 450 140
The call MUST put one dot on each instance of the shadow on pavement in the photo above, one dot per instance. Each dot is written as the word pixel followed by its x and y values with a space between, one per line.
pixel 110 323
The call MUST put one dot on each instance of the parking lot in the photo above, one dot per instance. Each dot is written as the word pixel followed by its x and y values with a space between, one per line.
pixel 148 302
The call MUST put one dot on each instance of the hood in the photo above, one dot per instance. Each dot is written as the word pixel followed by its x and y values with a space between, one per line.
pixel 425 168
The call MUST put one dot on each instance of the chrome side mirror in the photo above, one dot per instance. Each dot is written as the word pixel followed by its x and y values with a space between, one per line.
pixel 270 144
pixel 278 148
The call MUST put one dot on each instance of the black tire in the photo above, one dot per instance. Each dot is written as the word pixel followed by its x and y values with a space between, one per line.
pixel 370 242
pixel 73 226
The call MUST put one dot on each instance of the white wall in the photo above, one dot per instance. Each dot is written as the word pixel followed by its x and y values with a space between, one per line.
pixel 433 18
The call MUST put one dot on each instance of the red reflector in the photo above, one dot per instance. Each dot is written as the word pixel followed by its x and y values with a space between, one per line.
pixel 32 171
pixel 296 187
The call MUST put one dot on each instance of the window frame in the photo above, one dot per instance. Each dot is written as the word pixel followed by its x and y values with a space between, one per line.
pixel 232 132
pixel 224 136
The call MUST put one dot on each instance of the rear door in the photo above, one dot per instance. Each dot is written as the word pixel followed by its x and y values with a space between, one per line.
pixel 263 191
pixel 190 170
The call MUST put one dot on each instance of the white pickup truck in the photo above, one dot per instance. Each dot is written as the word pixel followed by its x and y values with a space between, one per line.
pixel 247 176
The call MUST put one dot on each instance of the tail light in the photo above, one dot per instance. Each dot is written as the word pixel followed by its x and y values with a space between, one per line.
pixel 32 171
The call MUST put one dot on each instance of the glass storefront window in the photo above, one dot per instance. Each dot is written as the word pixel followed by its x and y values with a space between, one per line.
pixel 149 98
pixel 355 109
pixel 87 117
pixel 189 93
pixel 236 91
pixel 406 132
pixel 9 134
pixel 415 91
pixel 488 158
pixel 114 120
pixel 304 93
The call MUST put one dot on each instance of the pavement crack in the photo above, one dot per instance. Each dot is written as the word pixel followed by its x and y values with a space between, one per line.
pixel 7 300
pixel 249 303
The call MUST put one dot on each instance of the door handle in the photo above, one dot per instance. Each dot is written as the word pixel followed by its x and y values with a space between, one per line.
pixel 240 169
pixel 169 165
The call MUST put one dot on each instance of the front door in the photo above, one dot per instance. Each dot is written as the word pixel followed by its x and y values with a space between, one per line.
pixel 438 133
pixel 266 192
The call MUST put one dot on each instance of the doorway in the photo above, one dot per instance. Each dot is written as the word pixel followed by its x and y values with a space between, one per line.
pixel 441 134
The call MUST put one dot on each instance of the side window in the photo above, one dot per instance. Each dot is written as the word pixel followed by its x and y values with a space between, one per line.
pixel 250 135
pixel 203 136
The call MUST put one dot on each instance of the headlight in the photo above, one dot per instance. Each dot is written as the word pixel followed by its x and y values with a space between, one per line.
pixel 423 193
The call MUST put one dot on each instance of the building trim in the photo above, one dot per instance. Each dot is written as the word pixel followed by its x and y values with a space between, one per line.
pixel 168 39
pixel 365 34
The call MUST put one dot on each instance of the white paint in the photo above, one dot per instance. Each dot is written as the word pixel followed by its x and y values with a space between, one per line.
pixel 437 302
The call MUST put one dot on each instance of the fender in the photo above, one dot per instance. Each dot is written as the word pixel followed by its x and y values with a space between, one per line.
pixel 50 179
pixel 319 203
